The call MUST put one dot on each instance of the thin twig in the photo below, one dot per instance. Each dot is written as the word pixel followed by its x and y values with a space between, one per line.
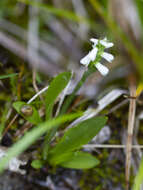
pixel 36 95
pixel 131 123
pixel 9 125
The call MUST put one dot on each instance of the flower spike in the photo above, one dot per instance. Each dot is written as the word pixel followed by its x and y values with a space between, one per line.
pixel 97 53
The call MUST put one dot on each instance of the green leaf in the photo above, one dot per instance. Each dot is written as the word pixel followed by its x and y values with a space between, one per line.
pixel 30 137
pixel 81 160
pixel 8 76
pixel 77 136
pixel 55 88
pixel 61 158
pixel 28 112
pixel 37 164
pixel 3 118
pixel 139 177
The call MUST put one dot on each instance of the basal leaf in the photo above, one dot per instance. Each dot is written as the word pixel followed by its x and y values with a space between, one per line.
pixel 77 136
pixel 81 160
pixel 61 158
pixel 29 112
pixel 55 88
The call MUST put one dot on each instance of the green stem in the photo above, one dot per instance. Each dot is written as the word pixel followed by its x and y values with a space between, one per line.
pixel 69 100
pixel 49 136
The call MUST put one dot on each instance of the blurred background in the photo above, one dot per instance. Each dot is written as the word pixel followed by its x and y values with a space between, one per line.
pixel 52 36
pixel 40 38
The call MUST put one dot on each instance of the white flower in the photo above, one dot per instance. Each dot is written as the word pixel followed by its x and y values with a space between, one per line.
pixel 91 56
pixel 109 57
pixel 102 69
pixel 95 41
pixel 104 42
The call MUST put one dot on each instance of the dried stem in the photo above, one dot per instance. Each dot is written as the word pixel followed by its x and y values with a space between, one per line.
pixel 131 123
pixel 10 124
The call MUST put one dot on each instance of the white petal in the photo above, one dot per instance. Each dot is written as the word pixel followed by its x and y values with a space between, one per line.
pixel 92 54
pixel 95 41
pixel 102 69
pixel 109 57
pixel 85 60
pixel 105 43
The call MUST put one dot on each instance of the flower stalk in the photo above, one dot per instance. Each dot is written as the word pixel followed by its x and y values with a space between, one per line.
pixel 92 62
pixel 69 100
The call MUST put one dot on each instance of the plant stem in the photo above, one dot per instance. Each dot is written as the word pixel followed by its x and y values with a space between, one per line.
pixel 69 100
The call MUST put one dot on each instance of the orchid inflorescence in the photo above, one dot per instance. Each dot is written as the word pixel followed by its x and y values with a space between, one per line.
pixel 97 52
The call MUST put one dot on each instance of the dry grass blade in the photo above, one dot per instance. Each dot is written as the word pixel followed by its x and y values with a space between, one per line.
pixel 131 122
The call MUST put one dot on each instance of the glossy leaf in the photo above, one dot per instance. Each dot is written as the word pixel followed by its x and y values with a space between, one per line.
pixel 31 115
pixel 80 160
pixel 55 88
pixel 77 136
pixel 61 158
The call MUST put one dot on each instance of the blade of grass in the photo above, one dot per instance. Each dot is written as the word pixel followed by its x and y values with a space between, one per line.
pixel 8 76
pixel 139 177
pixel 3 119
pixel 32 136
